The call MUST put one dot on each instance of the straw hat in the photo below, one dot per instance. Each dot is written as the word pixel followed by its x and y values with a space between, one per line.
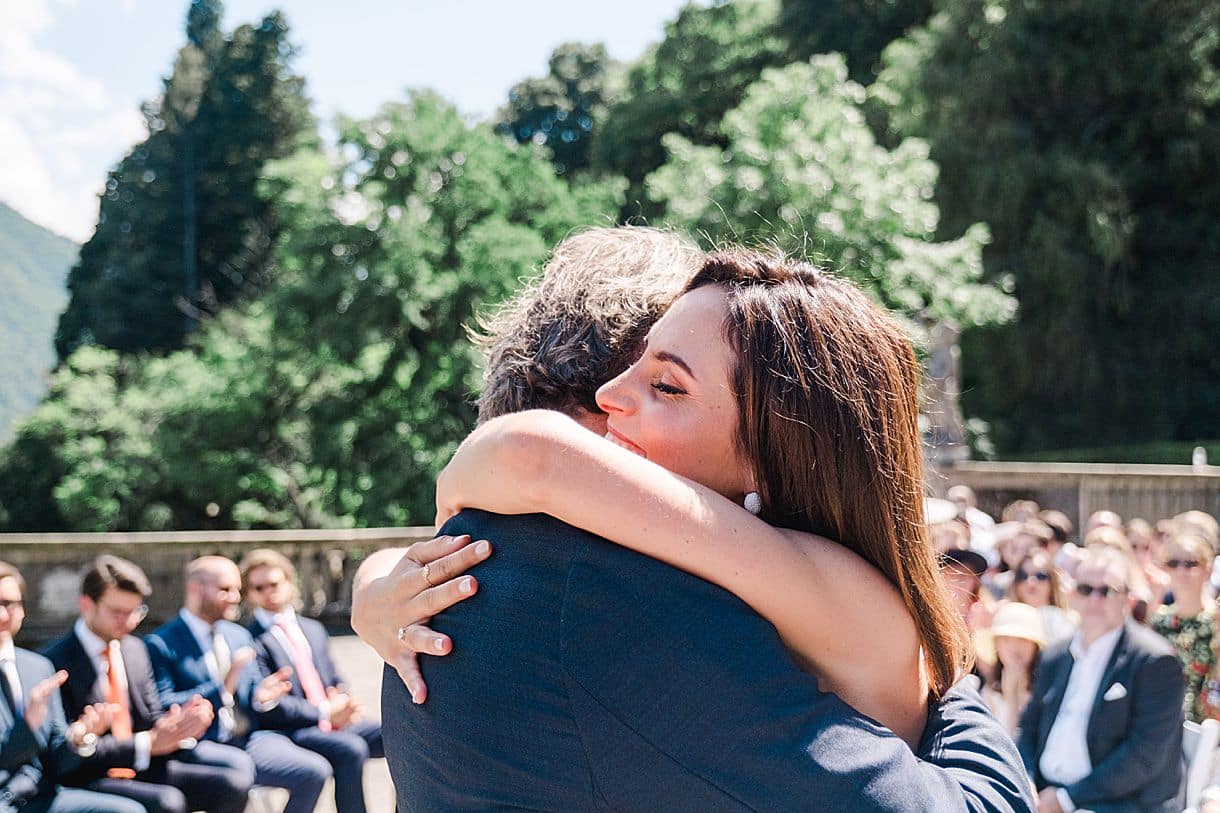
pixel 1017 620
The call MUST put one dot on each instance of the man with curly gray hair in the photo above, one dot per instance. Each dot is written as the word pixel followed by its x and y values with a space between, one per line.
pixel 580 323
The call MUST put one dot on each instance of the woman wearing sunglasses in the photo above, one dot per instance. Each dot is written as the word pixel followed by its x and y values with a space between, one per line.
pixel 1190 622
pixel 1036 582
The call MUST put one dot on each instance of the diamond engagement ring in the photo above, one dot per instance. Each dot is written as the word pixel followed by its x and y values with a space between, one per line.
pixel 402 634
pixel 427 577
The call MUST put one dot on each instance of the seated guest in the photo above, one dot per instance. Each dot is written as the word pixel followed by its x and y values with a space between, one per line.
pixel 319 713
pixel 202 652
pixel 980 524
pixel 36 744
pixel 1146 547
pixel 1103 728
pixel 142 756
pixel 962 571
pixel 1038 583
pixel 1143 603
pixel 1190 622
pixel 1016 633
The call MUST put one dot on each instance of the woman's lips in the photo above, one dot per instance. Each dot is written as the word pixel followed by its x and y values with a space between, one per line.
pixel 619 440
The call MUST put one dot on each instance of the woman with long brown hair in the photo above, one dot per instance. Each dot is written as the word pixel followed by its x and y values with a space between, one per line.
pixel 766 440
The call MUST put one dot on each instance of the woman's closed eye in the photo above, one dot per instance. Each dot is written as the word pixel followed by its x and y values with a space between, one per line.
pixel 667 389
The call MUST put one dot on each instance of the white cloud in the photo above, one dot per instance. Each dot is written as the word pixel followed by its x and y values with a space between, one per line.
pixel 57 124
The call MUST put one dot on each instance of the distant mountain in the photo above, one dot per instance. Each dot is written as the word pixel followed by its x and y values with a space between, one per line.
pixel 34 266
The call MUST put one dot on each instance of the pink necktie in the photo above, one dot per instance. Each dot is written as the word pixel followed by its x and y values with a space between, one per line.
pixel 307 673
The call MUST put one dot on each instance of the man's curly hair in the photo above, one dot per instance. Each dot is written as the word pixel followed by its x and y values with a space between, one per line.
pixel 582 320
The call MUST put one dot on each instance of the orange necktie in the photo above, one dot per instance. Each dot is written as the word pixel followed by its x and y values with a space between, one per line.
pixel 120 725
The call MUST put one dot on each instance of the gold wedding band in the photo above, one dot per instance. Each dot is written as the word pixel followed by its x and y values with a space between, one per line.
pixel 427 580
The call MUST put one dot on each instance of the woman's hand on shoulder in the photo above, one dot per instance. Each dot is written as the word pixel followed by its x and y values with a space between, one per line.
pixel 392 602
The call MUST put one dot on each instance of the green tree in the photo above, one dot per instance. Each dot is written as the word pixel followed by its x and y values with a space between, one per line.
pixel 181 231
pixel 335 398
pixel 801 170
pixel 858 29
pixel 1086 132
pixel 562 109
pixel 685 85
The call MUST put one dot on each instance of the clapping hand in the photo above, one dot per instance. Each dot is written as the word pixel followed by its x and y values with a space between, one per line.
pixel 271 688
pixel 344 710
pixel 38 699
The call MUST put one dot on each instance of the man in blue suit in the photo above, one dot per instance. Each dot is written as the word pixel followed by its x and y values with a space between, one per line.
pixel 202 652
pixel 584 676
pixel 36 745
pixel 319 713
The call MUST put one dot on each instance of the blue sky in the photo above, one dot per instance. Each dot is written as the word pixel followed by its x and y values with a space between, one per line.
pixel 74 72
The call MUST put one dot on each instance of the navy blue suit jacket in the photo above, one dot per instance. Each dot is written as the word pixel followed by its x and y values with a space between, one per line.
pixel 294 710
pixel 82 689
pixel 182 672
pixel 31 761
pixel 1134 740
pixel 587 677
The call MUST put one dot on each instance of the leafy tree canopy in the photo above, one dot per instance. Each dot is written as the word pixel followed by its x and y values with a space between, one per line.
pixel 858 29
pixel 801 170
pixel 562 109
pixel 336 397
pixel 181 230
pixel 684 85
pixel 1087 133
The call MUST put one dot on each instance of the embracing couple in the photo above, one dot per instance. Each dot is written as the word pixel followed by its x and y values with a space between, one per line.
pixel 711 587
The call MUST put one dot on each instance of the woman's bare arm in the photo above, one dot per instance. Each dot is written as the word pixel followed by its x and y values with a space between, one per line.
pixel 837 613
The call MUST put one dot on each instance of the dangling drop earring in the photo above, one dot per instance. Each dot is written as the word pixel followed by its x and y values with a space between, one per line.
pixel 753 502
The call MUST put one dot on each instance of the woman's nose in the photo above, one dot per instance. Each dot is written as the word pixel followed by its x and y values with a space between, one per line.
pixel 613 396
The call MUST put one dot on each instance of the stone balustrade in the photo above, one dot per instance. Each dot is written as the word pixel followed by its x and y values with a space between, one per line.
pixel 326 561
pixel 1078 489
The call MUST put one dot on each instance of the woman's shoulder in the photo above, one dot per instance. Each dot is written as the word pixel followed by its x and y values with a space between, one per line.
pixel 847 573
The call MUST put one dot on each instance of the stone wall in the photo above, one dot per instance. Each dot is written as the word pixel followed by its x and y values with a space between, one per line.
pixel 326 561
pixel 1079 489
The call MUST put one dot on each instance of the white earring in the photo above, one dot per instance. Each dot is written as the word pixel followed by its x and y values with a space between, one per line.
pixel 753 502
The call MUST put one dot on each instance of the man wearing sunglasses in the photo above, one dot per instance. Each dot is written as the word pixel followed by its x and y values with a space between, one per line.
pixel 150 754
pixel 1103 728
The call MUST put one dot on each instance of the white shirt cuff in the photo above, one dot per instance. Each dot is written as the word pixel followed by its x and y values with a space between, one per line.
pixel 1065 801
pixel 143 751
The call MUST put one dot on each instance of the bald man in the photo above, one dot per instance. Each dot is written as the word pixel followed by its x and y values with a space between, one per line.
pixel 203 652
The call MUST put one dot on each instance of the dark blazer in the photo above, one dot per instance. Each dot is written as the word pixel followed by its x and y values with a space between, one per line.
pixel 181 672
pixel 1134 740
pixel 587 677
pixel 295 710
pixel 31 761
pixel 82 690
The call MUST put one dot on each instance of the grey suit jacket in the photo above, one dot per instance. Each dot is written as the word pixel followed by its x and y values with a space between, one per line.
pixel 32 760
pixel 1134 740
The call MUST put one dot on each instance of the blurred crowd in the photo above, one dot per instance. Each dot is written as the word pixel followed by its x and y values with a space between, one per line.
pixel 192 716
pixel 1058 613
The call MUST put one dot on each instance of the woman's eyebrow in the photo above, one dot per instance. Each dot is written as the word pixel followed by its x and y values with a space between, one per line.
pixel 663 355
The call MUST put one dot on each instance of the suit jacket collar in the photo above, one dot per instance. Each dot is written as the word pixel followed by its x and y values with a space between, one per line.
pixel 1118 662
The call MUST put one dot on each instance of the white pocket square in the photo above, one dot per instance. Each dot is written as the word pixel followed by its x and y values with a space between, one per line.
pixel 1116 692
